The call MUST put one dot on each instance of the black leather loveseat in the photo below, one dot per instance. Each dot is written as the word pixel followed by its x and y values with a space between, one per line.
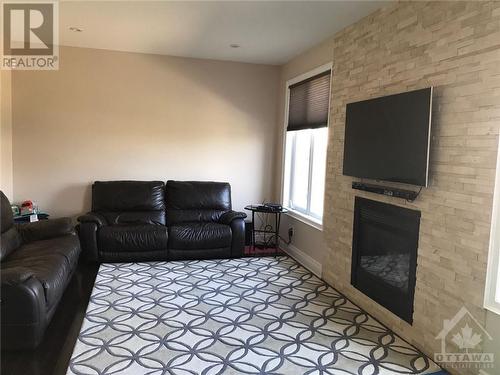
pixel 150 220
pixel 37 262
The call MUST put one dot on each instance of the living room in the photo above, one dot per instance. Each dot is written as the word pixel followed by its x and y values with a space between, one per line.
pixel 250 187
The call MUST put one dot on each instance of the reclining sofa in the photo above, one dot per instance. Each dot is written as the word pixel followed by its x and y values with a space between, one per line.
pixel 151 220
pixel 37 262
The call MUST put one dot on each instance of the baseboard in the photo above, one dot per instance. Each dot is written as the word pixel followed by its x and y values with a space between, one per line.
pixel 306 260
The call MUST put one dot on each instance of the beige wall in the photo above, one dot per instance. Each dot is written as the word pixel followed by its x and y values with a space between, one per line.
pixel 6 183
pixel 113 115
pixel 307 239
pixel 454 47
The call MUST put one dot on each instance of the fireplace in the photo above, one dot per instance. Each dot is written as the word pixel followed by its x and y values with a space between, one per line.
pixel 384 254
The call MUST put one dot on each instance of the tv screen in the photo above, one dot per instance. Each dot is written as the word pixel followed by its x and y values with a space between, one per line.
pixel 388 138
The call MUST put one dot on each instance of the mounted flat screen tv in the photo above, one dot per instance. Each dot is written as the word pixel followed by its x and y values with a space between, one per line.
pixel 388 138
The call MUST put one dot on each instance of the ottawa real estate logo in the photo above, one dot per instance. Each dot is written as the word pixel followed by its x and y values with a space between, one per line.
pixel 462 342
pixel 30 35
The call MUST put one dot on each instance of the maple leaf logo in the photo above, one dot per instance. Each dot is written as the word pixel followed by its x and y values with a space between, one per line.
pixel 466 340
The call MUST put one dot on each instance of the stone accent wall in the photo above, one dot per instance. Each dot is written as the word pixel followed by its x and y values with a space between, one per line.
pixel 455 47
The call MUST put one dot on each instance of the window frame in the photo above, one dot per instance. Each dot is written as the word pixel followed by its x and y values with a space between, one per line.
pixel 300 214
pixel 493 266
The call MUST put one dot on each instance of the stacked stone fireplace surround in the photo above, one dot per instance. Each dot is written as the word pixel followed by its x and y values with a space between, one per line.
pixel 454 47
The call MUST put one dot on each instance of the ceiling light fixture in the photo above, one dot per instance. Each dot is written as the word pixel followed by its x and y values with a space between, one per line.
pixel 234 45
pixel 75 29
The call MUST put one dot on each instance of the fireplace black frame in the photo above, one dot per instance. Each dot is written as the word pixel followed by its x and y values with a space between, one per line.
pixel 390 297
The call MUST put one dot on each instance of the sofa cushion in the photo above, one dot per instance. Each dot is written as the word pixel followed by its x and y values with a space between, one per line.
pixel 129 238
pixel 6 217
pixel 134 217
pixel 199 235
pixel 189 201
pixel 130 202
pixel 67 246
pixel 187 216
pixel 10 240
pixel 52 270
pixel 45 229
pixel 128 196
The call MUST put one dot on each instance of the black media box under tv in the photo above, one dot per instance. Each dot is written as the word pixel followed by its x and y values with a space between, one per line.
pixel 391 192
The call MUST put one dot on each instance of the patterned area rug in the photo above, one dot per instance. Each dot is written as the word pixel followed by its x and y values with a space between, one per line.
pixel 238 316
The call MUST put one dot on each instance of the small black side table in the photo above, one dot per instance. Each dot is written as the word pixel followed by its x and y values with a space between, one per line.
pixel 274 231
pixel 20 219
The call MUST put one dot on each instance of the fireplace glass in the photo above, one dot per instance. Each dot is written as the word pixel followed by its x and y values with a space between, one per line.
pixel 385 242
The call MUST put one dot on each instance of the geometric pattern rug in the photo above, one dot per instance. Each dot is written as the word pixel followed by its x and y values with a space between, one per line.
pixel 231 316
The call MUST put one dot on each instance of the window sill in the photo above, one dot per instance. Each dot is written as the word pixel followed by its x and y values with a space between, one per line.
pixel 493 307
pixel 315 223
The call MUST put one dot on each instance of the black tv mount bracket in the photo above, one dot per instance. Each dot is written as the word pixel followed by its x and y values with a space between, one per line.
pixel 409 195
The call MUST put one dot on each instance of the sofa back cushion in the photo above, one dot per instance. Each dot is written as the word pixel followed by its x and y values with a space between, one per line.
pixel 10 238
pixel 130 202
pixel 196 201
pixel 6 217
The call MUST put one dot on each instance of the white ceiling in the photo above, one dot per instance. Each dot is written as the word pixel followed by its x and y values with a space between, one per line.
pixel 268 32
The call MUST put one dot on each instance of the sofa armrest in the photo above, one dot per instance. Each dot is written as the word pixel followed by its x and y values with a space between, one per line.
pixel 238 237
pixel 229 216
pixel 92 217
pixel 23 309
pixel 87 233
pixel 45 229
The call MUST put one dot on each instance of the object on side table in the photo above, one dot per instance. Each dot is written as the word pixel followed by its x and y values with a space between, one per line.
pixel 273 206
pixel 37 261
pixel 28 208
pixel 15 210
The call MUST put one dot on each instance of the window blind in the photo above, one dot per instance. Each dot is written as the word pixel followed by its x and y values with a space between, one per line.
pixel 308 103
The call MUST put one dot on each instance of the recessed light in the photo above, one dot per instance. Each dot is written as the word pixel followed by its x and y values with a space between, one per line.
pixel 75 29
pixel 234 45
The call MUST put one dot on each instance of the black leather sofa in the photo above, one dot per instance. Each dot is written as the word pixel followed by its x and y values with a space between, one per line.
pixel 150 220
pixel 37 262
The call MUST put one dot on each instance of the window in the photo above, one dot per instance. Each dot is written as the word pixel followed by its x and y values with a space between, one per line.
pixel 306 139
pixel 492 292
